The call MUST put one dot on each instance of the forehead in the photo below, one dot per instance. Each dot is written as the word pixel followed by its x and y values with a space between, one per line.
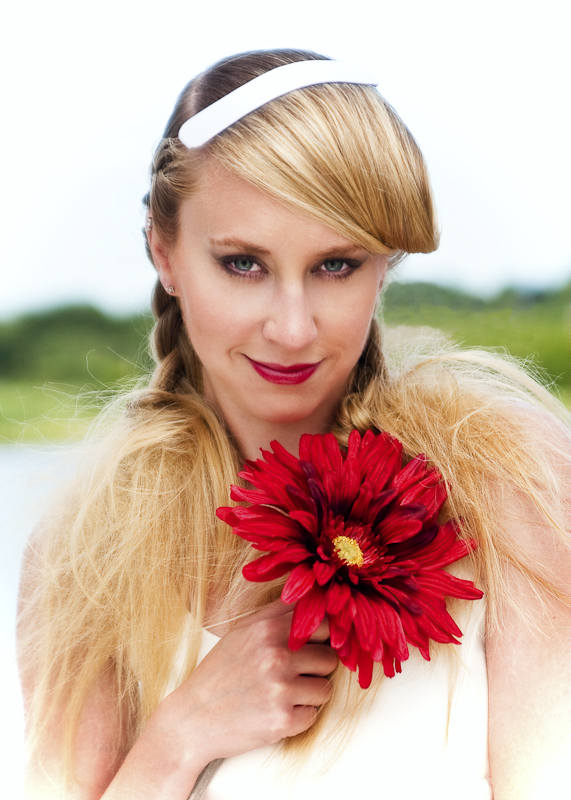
pixel 227 206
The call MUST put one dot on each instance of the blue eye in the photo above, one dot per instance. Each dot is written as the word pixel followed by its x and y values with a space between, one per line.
pixel 243 264
pixel 334 264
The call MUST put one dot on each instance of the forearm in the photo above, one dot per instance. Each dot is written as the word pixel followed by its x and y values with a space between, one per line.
pixel 164 762
pixel 161 764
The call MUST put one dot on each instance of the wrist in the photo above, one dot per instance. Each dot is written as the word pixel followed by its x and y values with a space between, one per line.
pixel 181 736
pixel 162 764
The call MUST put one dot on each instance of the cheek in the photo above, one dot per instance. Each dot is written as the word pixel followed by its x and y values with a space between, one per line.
pixel 215 323
pixel 349 325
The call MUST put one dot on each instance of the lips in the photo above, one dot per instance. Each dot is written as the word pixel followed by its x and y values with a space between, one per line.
pixel 288 375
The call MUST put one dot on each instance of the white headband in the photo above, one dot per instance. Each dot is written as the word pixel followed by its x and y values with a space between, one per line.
pixel 215 118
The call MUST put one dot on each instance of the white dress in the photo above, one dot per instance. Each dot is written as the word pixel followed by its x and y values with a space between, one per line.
pixel 399 748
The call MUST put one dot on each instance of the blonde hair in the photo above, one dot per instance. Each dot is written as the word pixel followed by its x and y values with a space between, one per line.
pixel 125 572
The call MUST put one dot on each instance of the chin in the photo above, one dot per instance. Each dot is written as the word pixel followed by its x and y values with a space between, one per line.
pixel 286 418
pixel 289 414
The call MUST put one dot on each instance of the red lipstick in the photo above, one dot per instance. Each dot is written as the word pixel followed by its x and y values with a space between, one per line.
pixel 277 373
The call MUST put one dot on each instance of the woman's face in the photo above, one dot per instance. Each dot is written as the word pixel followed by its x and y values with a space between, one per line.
pixel 277 306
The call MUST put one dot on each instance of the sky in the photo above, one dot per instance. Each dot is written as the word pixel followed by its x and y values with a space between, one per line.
pixel 87 89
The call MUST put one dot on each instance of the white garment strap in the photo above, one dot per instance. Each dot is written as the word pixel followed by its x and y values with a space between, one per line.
pixel 204 779
pixel 215 118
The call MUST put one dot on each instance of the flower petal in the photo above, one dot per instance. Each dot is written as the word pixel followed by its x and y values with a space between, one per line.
pixel 307 615
pixel 348 651
pixel 402 523
pixel 274 565
pixel 305 518
pixel 390 627
pixel 446 584
pixel 300 581
pixel 381 461
pixel 354 443
pixel 341 623
pixel 323 571
pixel 338 596
pixel 365 622
pixel 365 664
pixel 319 496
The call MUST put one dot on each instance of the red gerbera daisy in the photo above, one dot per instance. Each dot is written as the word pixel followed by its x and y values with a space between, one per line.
pixel 359 534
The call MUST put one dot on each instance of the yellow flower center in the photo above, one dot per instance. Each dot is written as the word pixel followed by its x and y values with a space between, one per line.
pixel 348 551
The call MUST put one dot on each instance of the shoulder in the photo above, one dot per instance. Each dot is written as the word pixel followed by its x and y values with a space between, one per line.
pixel 528 649
pixel 472 413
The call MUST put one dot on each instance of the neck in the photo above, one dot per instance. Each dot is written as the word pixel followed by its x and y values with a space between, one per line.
pixel 252 433
pixel 257 435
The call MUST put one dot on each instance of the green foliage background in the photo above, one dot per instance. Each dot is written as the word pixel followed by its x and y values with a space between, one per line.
pixel 58 366
pixel 528 325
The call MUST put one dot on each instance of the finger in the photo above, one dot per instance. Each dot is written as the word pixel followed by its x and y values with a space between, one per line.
pixel 314 659
pixel 303 717
pixel 321 634
pixel 311 691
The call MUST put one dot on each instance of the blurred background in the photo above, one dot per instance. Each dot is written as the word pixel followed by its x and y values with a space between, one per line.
pixel 86 91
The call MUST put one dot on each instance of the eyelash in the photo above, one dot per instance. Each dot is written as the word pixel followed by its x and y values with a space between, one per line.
pixel 258 274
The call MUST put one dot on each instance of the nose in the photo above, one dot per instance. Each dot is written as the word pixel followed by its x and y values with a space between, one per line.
pixel 289 320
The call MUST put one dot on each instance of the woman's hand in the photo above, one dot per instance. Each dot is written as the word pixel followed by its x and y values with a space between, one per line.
pixel 251 689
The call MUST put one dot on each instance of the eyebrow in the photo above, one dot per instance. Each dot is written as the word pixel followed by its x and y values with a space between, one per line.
pixel 240 244
pixel 341 251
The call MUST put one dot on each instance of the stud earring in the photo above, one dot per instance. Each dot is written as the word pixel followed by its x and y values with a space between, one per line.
pixel 170 289
pixel 149 224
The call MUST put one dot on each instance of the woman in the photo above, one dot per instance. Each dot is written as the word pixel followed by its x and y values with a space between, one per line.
pixel 145 655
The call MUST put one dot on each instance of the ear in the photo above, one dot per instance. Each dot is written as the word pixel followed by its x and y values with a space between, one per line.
pixel 161 258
